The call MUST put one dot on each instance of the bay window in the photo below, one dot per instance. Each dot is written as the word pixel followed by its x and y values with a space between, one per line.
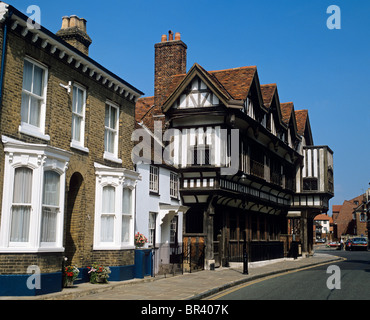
pixel 127 215
pixel 33 197
pixel 108 214
pixel 22 205
pixel 50 207
pixel 114 208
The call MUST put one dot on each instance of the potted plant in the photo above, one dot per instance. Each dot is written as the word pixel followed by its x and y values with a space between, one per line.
pixel 98 273
pixel 70 274
pixel 140 240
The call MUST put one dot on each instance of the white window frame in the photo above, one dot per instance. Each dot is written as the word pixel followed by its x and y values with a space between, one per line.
pixel 38 158
pixel 119 178
pixel 80 145
pixel 152 228
pixel 174 229
pixel 29 129
pixel 174 185
pixel 112 156
pixel 56 208
pixel 129 215
pixel 154 179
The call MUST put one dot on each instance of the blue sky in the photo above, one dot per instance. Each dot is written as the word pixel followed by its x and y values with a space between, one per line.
pixel 324 71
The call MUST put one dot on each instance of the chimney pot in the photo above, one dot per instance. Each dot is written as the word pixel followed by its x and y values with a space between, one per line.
pixel 164 38
pixel 170 35
pixel 177 36
pixel 83 24
pixel 65 22
pixel 73 31
pixel 74 22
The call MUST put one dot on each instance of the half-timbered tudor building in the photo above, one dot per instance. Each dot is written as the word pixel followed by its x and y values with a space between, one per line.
pixel 249 170
pixel 66 176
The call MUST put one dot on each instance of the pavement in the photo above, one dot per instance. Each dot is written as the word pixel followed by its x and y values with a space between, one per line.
pixel 188 286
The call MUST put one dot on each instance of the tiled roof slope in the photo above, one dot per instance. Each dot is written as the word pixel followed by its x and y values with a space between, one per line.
pixel 301 119
pixel 236 81
pixel 268 91
pixel 144 107
pixel 286 111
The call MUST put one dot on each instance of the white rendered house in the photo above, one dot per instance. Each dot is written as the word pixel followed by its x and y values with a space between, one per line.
pixel 159 213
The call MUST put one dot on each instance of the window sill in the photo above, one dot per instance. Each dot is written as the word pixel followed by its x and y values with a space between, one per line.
pixel 33 131
pixel 77 146
pixel 112 247
pixel 30 250
pixel 111 157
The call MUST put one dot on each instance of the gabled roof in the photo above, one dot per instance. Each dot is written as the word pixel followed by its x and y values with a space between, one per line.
pixel 270 96
pixel 230 85
pixel 268 91
pixel 288 116
pixel 286 111
pixel 303 125
pixel 301 117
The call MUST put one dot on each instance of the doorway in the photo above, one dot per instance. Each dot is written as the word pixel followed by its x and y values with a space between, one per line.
pixel 74 238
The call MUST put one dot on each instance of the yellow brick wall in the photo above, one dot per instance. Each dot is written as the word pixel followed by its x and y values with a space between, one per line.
pixel 80 230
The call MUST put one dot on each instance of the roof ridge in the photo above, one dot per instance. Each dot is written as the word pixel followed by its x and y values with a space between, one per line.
pixel 237 68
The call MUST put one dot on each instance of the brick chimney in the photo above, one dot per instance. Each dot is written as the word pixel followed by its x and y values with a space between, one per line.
pixel 73 31
pixel 170 59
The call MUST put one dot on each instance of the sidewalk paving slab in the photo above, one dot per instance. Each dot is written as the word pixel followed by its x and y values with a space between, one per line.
pixel 189 286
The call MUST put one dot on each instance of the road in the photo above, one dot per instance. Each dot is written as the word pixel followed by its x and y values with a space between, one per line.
pixel 351 281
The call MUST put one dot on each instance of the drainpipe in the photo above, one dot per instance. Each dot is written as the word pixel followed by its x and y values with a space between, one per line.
pixel 3 54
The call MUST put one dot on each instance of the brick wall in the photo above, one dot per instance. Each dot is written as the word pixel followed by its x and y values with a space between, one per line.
pixel 79 219
pixel 18 263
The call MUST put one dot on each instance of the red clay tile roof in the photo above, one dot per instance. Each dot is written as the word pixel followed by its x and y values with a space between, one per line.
pixel 236 81
pixel 144 107
pixel 323 216
pixel 233 83
pixel 268 91
pixel 286 111
pixel 301 119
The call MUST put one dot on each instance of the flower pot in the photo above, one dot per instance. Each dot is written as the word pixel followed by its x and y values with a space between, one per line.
pixel 68 283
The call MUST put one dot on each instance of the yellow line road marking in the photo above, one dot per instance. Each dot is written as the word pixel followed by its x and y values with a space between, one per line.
pixel 228 291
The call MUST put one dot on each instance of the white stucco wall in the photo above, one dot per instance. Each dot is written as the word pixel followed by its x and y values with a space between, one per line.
pixel 147 202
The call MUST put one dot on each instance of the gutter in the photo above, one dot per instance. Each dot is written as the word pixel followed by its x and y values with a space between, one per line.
pixel 3 55
pixel 75 55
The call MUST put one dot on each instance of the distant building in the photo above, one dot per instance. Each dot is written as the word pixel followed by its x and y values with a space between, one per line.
pixel 323 227
pixel 350 218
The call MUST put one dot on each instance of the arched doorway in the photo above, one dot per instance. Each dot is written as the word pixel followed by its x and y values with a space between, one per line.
pixel 74 220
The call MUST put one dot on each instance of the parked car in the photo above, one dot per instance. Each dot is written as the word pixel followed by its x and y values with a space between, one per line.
pixel 320 240
pixel 356 244
pixel 333 244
